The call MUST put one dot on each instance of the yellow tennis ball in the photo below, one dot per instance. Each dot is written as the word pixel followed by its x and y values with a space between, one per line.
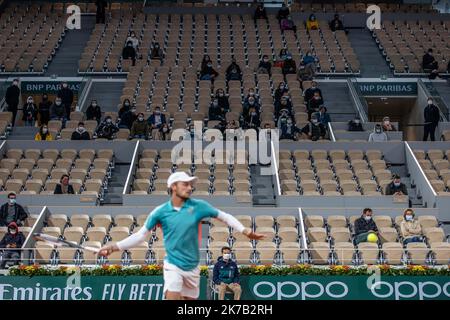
pixel 372 237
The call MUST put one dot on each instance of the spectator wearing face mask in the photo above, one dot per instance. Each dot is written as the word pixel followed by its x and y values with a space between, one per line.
pixel 155 123
pixel 364 226
pixel 251 119
pixel 208 72
pixel 12 99
pixel 309 93
pixel 222 99
pixel 355 125
pixel 134 40
pixel 288 24
pixel 30 112
pixel 140 129
pixel 127 118
pixel 312 23
pixel 387 125
pixel 314 130
pixel 107 129
pixel 282 56
pixel 429 62
pixel 314 103
pixel 336 24
pixel 260 12
pixel 80 133
pixel 284 104
pixel 396 187
pixel 323 116
pixel 58 111
pixel 44 109
pixel 11 240
pixel 129 52
pixel 378 135
pixel 302 73
pixel 156 53
pixel 410 228
pixel 164 133
pixel 66 95
pixel 289 66
pixel 94 112
pixel 265 66
pixel 251 103
pixel 287 127
pixel 233 71
pixel 43 134
pixel 283 12
pixel 226 275
pixel 310 64
pixel 215 112
pixel 64 187
pixel 280 92
pixel 431 116
pixel 12 212
pixel 251 93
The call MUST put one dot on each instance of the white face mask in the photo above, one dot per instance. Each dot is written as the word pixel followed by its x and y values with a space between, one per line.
pixel 397 184
pixel 368 218
pixel 12 231
pixel 226 256
pixel 409 218
pixel 430 102
pixel 45 130
pixel 12 201
pixel 81 129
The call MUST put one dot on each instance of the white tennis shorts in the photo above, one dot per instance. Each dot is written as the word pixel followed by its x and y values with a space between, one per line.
pixel 187 283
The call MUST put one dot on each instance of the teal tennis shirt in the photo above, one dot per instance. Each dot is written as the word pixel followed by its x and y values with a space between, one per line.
pixel 180 230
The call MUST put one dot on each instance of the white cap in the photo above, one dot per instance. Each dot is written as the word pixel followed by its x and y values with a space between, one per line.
pixel 179 176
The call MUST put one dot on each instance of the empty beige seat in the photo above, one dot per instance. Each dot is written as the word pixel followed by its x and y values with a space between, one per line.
pixel 125 220
pixel 264 221
pixel 387 234
pixel 319 252
pixel 340 234
pixel 43 252
pixel 393 252
pixel 266 252
pixel 89 257
pixel 441 252
pixel 268 232
pixel 141 185
pixel 57 220
pixel 219 234
pixel 417 252
pixel 102 220
pixel 139 254
pixel 52 231
pixel 73 234
pixel 287 221
pixel 336 221
pixel 427 221
pixel 288 234
pixel 368 252
pixel 119 233
pixel 96 234
pixel 88 154
pixel 289 252
pixel 344 253
pixel 314 221
pixel 115 257
pixel 317 234
pixel 79 220
pixel 67 255
pixel 243 251
pixel 246 220
pixel 434 234
pixel 382 221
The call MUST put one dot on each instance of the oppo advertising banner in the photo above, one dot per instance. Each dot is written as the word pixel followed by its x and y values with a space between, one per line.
pixel 89 288
pixel 345 288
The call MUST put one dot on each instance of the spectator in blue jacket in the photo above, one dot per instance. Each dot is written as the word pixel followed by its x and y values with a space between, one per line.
pixel 156 122
pixel 226 275
pixel 323 116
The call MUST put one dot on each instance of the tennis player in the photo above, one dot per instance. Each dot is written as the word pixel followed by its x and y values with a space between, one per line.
pixel 179 218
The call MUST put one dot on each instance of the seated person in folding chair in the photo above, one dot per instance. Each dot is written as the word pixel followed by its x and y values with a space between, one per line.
pixel 140 129
pixel 80 133
pixel 63 187
pixel 156 122
pixel 265 66
pixel 226 275
pixel 107 129
pixel 364 226
pixel 11 240
pixel 129 52
pixel 396 187
pixel 208 72
pixel 233 71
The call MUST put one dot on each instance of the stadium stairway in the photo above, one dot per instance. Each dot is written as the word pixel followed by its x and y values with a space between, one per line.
pixel 337 99
pixel 113 196
pixel 107 94
pixel 65 63
pixel 372 62
pixel 443 88
pixel 263 191
pixel 22 133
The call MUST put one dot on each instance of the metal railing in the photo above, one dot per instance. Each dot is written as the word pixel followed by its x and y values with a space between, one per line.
pixel 431 91
pixel 358 98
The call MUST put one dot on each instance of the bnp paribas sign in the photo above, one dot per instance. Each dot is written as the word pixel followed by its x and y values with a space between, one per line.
pixel 384 89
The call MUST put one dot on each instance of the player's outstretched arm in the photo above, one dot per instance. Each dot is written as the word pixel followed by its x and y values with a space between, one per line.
pixel 126 243
pixel 235 224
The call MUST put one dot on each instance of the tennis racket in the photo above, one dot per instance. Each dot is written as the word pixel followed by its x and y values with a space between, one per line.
pixel 62 243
